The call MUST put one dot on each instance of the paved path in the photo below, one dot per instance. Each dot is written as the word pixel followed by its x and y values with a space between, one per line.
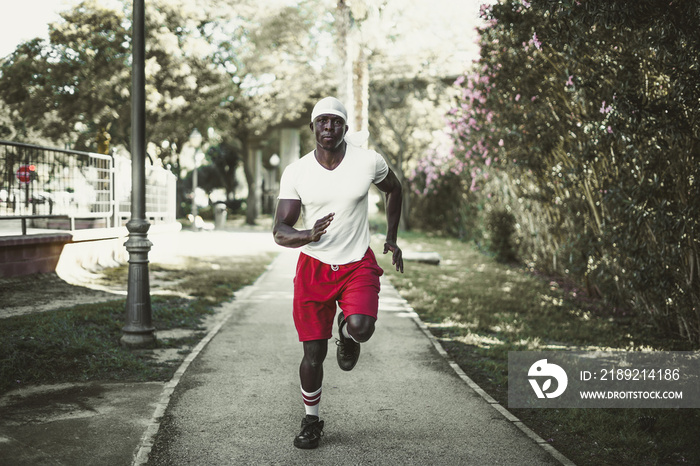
pixel 238 402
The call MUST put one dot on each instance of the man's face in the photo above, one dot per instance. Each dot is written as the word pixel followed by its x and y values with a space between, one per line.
pixel 329 131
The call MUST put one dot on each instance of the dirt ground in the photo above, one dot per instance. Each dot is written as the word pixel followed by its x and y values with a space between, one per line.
pixel 45 292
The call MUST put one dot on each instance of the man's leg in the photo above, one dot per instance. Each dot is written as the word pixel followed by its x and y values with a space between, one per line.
pixel 311 368
pixel 353 330
pixel 311 376
pixel 360 304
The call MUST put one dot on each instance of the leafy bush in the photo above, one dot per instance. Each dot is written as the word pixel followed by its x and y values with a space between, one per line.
pixel 445 209
pixel 583 118
pixel 501 225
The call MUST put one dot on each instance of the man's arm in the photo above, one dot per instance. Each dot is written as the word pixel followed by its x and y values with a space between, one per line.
pixel 286 216
pixel 392 187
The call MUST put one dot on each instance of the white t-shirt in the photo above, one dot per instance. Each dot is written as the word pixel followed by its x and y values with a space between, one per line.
pixel 344 191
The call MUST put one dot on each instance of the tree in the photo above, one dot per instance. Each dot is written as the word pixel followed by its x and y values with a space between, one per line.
pixel 273 59
pixel 389 56
pixel 406 122
pixel 73 88
pixel 235 68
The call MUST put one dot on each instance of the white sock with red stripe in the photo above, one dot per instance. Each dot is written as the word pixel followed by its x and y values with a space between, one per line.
pixel 346 334
pixel 312 401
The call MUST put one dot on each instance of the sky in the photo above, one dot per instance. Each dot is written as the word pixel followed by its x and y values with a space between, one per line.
pixel 26 19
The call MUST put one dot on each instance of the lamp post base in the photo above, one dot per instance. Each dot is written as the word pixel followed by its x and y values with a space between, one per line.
pixel 146 339
pixel 138 331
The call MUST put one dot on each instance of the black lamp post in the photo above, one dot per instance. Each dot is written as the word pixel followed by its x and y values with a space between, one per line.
pixel 138 331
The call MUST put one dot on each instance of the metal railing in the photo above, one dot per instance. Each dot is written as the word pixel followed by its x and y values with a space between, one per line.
pixel 44 183
pixel 161 192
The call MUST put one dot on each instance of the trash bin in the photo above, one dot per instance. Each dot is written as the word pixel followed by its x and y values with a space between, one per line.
pixel 219 215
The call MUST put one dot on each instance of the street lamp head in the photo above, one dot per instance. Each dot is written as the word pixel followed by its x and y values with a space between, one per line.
pixel 195 138
pixel 274 160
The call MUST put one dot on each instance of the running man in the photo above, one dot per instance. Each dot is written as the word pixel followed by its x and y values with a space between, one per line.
pixel 328 188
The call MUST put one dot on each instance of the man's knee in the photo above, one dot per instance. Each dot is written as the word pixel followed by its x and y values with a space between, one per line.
pixel 361 327
pixel 315 352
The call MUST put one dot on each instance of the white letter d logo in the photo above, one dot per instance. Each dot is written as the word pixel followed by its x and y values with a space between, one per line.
pixel 542 369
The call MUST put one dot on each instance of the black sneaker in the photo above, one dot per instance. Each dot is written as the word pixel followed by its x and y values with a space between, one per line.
pixel 311 433
pixel 348 349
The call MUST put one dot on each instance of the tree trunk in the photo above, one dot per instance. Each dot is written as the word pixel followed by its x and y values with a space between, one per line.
pixel 360 87
pixel 249 168
pixel 342 29
pixel 405 223
pixel 353 70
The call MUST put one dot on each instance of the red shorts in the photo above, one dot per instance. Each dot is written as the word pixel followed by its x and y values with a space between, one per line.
pixel 318 286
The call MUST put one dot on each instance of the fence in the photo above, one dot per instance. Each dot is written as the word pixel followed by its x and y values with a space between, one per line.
pixel 45 184
pixel 161 192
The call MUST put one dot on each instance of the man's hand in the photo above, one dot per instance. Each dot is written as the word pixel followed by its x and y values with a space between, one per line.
pixel 396 255
pixel 320 227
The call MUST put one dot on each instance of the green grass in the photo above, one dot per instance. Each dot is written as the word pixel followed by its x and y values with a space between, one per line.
pixel 81 343
pixel 480 309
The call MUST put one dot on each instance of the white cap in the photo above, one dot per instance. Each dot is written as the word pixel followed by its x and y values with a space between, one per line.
pixel 329 106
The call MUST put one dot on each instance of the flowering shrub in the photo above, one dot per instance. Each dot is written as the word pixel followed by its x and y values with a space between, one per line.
pixel 582 120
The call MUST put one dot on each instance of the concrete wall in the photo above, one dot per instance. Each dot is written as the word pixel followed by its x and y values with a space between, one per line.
pixel 28 254
pixel 72 254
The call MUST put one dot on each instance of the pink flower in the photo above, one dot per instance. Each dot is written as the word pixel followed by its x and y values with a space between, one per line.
pixel 484 10
pixel 536 42
pixel 473 187
pixel 500 142
pixel 604 109
pixel 526 4
pixel 610 130
pixel 517 97
pixel 570 81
